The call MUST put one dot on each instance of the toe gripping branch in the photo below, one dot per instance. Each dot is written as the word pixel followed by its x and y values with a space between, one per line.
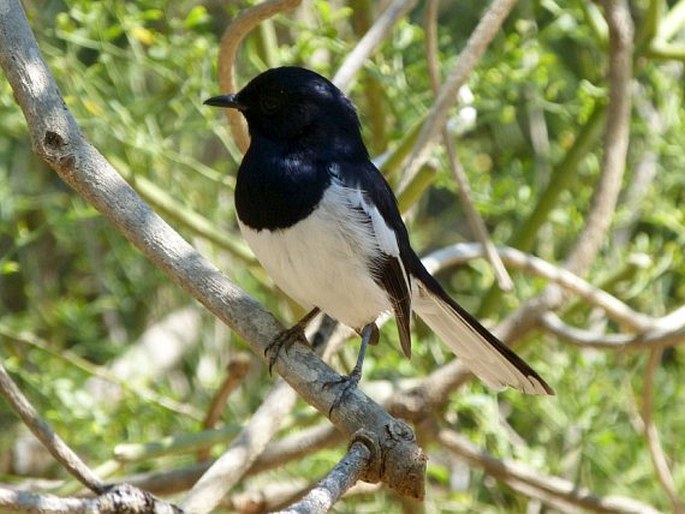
pixel 288 337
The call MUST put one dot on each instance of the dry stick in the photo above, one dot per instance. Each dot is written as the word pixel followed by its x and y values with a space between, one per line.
pixel 367 44
pixel 118 499
pixel 236 31
pixel 57 139
pixel 616 309
pixel 656 451
pixel 616 137
pixel 479 40
pixel 235 373
pixel 40 428
pixel 649 340
pixel 329 490
pixel 244 450
pixel 463 187
pixel 560 488
pixel 277 454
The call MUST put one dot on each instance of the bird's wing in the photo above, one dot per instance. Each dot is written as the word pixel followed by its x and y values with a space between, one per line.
pixel 370 196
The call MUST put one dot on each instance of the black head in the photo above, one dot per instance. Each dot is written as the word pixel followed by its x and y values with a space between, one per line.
pixel 292 104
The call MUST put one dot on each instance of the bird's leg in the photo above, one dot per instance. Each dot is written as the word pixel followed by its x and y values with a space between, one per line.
pixel 288 337
pixel 369 337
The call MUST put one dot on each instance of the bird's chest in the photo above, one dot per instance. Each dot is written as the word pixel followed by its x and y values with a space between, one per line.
pixel 323 260
pixel 277 193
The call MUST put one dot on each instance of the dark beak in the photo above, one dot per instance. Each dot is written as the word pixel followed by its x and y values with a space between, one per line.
pixel 226 101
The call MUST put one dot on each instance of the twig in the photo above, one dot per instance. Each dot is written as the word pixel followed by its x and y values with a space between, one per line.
pixel 558 487
pixel 235 373
pixel 463 187
pixel 277 454
pixel 241 25
pixel 118 499
pixel 656 452
pixel 616 137
pixel 479 40
pixel 329 490
pixel 652 339
pixel 232 465
pixel 616 309
pixel 53 442
pixel 366 45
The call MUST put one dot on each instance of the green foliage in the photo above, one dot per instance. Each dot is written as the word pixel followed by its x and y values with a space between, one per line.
pixel 135 73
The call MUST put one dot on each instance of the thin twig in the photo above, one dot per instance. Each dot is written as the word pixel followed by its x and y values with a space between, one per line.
pixel 53 442
pixel 616 137
pixel 329 490
pixel 232 465
pixel 235 32
pixel 652 339
pixel 117 500
pixel 560 488
pixel 236 370
pixel 463 187
pixel 479 40
pixel 463 252
pixel 656 451
pixel 366 45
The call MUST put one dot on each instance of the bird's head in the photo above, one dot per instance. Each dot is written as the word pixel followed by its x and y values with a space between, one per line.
pixel 291 104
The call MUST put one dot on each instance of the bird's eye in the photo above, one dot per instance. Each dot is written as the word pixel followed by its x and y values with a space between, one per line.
pixel 270 103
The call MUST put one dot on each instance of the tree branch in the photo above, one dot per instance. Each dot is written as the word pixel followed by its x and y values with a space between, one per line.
pixel 374 36
pixel 57 139
pixel 560 489
pixel 236 31
pixel 479 40
pixel 40 428
pixel 121 498
pixel 329 490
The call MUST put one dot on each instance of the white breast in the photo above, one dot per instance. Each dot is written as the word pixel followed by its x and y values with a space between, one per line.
pixel 321 261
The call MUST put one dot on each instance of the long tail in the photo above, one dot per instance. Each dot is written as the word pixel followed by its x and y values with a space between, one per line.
pixel 485 355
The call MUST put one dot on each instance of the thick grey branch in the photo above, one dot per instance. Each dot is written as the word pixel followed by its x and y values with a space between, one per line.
pixel 57 139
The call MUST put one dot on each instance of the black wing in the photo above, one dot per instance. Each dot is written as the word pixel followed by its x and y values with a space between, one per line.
pixel 389 269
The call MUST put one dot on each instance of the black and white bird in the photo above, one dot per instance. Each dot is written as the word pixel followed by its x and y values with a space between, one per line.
pixel 324 224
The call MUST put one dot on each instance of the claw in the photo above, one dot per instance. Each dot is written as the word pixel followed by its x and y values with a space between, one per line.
pixel 349 382
pixel 288 338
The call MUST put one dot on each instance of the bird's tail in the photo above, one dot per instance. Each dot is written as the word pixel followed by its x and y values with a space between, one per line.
pixel 485 355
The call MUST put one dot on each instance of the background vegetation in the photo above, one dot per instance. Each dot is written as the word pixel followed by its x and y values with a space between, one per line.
pixel 77 301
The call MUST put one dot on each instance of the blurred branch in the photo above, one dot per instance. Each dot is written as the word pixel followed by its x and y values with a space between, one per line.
pixel 118 499
pixel 236 31
pixel 40 428
pixel 57 139
pixel 616 137
pixel 236 371
pixel 479 40
pixel 615 308
pixel 244 450
pixel 343 476
pixel 463 187
pixel 652 339
pixel 366 45
pixel 277 454
pixel 656 451
pixel 539 485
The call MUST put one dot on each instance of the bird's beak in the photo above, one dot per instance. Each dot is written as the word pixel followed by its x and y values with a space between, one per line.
pixel 226 101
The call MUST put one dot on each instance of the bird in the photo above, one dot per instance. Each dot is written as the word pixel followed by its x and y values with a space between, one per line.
pixel 325 225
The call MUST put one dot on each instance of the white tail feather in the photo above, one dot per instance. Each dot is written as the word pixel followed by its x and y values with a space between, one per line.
pixel 474 350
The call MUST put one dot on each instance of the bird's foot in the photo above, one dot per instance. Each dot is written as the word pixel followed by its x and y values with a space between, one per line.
pixel 347 384
pixel 288 337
